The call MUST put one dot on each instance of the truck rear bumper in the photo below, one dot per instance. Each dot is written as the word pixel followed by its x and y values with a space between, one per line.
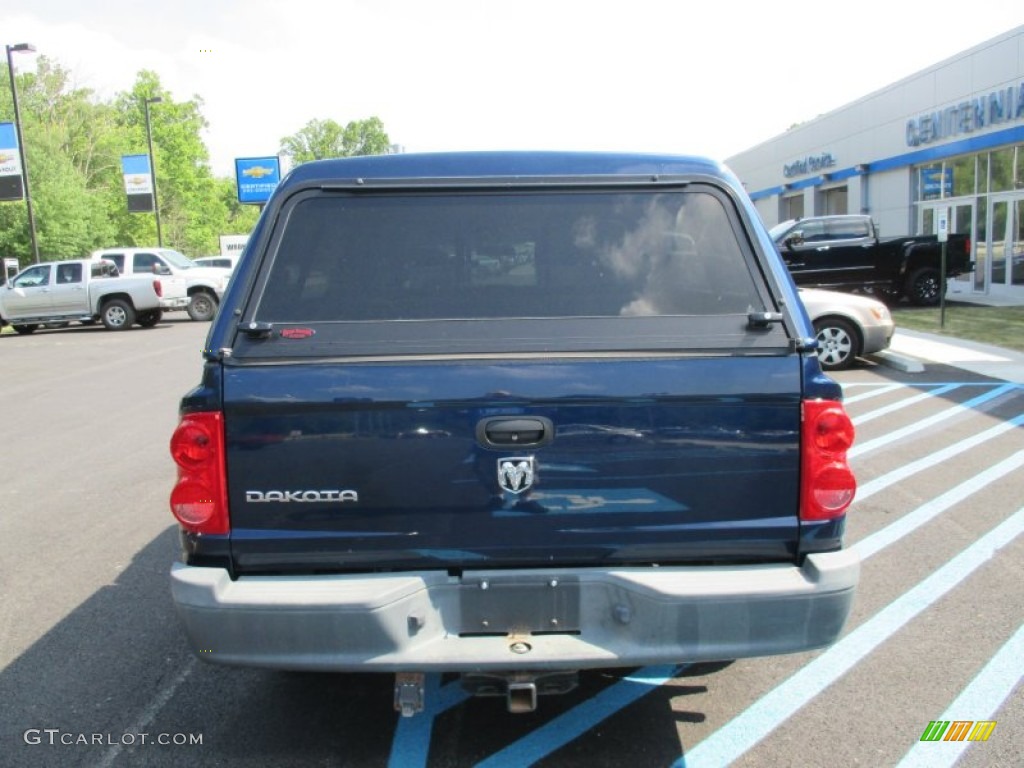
pixel 180 302
pixel 544 619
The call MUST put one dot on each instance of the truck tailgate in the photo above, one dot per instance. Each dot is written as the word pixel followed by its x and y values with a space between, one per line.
pixel 359 467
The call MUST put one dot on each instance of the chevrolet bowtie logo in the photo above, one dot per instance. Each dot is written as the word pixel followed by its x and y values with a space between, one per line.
pixel 257 172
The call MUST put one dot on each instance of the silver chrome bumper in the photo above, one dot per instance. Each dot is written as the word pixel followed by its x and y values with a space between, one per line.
pixel 178 303
pixel 502 620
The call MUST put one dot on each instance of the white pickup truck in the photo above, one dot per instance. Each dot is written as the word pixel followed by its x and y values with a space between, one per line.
pixel 204 286
pixel 83 290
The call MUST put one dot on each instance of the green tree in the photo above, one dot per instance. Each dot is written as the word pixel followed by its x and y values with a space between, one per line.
pixel 239 218
pixel 74 144
pixel 65 159
pixel 186 188
pixel 71 219
pixel 321 139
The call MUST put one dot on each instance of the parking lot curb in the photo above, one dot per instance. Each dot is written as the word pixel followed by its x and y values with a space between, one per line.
pixel 983 359
pixel 900 362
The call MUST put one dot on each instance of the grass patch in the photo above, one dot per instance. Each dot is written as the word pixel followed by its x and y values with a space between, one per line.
pixel 1001 326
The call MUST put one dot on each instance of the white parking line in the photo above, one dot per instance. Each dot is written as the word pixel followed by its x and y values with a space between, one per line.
pixel 981 699
pixel 932 459
pixel 940 352
pixel 745 730
pixel 875 391
pixel 928 511
pixel 905 403
pixel 953 411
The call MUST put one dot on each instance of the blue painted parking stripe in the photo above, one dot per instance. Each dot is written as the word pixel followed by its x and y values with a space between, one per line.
pixel 933 459
pixel 980 700
pixel 930 510
pixel 905 403
pixel 745 730
pixel 410 746
pixel 919 385
pixel 580 719
pixel 949 413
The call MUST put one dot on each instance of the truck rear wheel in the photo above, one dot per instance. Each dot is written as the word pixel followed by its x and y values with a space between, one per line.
pixel 24 329
pixel 924 287
pixel 117 315
pixel 202 306
pixel 150 318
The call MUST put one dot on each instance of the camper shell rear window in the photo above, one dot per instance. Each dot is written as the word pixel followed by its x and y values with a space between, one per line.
pixel 471 271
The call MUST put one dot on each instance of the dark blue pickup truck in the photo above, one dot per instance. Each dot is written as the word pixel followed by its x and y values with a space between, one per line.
pixel 510 415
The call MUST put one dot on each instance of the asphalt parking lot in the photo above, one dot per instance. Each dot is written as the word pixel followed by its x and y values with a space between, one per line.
pixel 94 670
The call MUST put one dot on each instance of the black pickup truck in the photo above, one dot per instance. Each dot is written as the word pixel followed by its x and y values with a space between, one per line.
pixel 511 416
pixel 846 253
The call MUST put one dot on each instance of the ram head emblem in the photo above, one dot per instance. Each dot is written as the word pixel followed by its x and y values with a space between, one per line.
pixel 516 474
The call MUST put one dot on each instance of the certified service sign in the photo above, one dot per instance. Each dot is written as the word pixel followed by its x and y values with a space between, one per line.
pixel 257 178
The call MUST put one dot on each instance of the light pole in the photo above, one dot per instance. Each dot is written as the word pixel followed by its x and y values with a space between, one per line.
pixel 19 48
pixel 152 168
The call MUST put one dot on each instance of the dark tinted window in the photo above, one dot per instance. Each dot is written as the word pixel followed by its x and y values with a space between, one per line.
pixel 117 258
pixel 104 269
pixel 811 231
pixel 145 262
pixel 69 273
pixel 847 229
pixel 496 255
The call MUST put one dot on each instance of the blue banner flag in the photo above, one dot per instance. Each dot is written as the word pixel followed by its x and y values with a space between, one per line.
pixel 138 183
pixel 11 185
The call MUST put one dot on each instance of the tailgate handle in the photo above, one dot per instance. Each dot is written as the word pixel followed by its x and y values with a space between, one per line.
pixel 505 432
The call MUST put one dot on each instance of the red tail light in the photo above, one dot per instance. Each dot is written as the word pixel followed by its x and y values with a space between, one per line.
pixel 159 288
pixel 827 483
pixel 199 499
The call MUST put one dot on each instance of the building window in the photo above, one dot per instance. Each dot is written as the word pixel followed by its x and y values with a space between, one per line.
pixel 981 244
pixel 833 201
pixel 963 176
pixel 1017 241
pixel 932 181
pixel 1001 170
pixel 793 207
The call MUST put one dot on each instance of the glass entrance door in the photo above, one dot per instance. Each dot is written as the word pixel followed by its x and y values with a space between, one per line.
pixel 961 222
pixel 1004 241
pixel 1016 243
pixel 999 224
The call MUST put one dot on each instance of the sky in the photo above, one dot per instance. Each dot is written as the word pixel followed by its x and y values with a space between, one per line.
pixel 712 77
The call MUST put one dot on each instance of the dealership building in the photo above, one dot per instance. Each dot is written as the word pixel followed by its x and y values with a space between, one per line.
pixel 949 139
